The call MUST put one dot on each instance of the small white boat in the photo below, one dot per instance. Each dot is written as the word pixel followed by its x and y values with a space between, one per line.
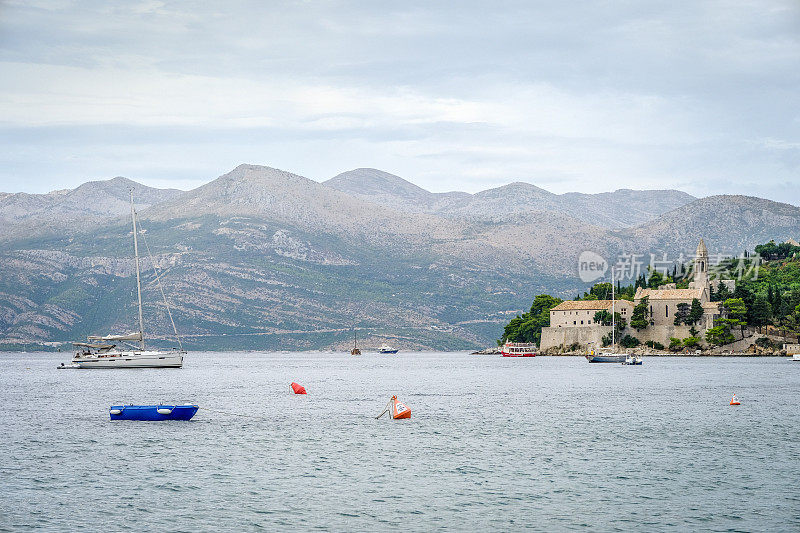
pixel 796 357
pixel 632 360
pixel 387 349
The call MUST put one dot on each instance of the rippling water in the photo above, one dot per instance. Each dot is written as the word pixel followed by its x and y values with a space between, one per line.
pixel 493 444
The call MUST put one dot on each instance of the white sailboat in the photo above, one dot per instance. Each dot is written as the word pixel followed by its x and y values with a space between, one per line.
pixel 611 356
pixel 105 352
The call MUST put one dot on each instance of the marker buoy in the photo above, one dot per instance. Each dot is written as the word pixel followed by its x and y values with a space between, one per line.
pixel 397 410
pixel 298 389
pixel 734 400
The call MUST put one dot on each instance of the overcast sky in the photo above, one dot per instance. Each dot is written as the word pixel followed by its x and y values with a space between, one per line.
pixel 570 96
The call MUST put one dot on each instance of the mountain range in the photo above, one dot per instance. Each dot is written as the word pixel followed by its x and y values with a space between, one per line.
pixel 261 258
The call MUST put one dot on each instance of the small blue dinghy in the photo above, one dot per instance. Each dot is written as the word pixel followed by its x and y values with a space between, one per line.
pixel 153 412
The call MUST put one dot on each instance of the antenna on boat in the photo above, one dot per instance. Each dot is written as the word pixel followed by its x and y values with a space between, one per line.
pixel 138 276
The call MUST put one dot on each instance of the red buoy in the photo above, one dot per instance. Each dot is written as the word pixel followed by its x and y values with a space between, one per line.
pixel 298 389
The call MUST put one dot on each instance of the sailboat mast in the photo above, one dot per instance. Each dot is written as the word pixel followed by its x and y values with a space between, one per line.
pixel 138 276
pixel 613 314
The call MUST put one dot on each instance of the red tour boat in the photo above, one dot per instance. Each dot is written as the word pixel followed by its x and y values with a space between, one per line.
pixel 518 349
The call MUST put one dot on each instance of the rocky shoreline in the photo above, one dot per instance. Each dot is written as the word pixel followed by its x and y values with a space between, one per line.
pixel 752 352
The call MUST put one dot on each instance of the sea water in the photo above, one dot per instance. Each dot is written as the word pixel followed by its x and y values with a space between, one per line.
pixel 545 443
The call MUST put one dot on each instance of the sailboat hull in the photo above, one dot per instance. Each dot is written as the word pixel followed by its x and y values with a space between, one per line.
pixel 173 359
pixel 610 358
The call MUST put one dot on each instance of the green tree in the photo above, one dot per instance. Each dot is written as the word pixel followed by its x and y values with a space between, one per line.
pixel 722 293
pixel 791 324
pixel 675 344
pixel 696 312
pixel 721 333
pixel 776 305
pixel 602 317
pixel 629 342
pixel 736 311
pixel 544 302
pixel 692 342
pixel 682 314
pixel 528 327
pixel 602 291
pixel 760 311
pixel 639 317
pixel 656 279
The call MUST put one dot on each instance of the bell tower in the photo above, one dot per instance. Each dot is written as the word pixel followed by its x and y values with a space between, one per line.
pixel 701 268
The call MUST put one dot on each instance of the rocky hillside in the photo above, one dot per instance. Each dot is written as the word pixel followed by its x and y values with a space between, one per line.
pixel 619 209
pixel 265 259
pixel 67 210
pixel 730 224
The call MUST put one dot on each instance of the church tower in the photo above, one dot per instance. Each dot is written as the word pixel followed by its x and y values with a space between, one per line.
pixel 701 268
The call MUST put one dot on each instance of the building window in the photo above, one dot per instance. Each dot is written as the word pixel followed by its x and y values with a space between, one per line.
pixel 666 311
pixel 573 322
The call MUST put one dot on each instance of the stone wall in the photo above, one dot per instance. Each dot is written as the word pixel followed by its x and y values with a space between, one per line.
pixel 663 333
pixel 556 338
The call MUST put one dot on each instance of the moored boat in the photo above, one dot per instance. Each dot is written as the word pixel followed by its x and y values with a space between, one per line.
pixel 153 412
pixel 606 357
pixel 109 356
pixel 613 356
pixel 387 349
pixel 518 349
pixel 632 359
pixel 106 352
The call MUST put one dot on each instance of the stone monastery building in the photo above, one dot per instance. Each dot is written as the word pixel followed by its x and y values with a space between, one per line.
pixel 572 322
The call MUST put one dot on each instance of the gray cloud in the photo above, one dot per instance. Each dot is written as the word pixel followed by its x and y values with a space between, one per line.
pixel 586 96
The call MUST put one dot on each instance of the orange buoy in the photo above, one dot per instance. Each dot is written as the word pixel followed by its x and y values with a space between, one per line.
pixel 298 389
pixel 734 400
pixel 396 409
pixel 399 410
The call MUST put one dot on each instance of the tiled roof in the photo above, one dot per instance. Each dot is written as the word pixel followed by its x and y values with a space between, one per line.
pixel 585 305
pixel 669 294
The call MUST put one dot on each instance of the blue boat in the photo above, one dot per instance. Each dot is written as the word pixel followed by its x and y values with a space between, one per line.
pixel 153 412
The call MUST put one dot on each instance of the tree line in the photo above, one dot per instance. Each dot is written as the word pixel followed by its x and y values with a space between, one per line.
pixel 766 295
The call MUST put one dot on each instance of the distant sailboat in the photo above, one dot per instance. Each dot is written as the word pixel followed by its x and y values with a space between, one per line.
pixel 355 350
pixel 102 350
